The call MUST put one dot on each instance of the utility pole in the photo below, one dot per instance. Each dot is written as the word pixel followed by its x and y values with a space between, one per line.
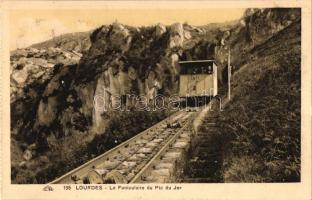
pixel 229 75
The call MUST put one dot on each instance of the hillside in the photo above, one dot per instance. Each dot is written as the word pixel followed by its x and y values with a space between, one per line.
pixel 79 42
pixel 55 123
pixel 262 121
pixel 257 137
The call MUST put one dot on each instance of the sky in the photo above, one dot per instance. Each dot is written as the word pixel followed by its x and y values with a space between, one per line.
pixel 32 26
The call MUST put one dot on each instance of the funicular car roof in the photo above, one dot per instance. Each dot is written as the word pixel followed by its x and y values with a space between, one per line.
pixel 190 62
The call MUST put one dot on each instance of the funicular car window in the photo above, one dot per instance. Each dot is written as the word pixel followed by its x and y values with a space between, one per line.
pixel 197 68
pixel 194 70
pixel 205 70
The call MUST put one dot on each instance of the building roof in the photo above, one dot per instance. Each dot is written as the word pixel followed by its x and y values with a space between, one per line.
pixel 197 61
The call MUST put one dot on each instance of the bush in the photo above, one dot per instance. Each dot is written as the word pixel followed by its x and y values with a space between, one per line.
pixel 68 153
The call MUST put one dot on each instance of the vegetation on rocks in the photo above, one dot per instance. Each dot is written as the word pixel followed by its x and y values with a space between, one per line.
pixel 67 153
pixel 259 128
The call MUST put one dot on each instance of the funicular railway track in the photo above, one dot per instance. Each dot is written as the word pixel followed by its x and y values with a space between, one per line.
pixel 150 156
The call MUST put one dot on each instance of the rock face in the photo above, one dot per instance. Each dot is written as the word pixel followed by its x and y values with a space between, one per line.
pixel 160 29
pixel 176 35
pixel 256 27
pixel 30 65
pixel 57 92
pixel 263 23
pixel 37 83
pixel 127 60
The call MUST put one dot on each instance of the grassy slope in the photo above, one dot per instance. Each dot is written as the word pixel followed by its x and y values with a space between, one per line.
pixel 262 122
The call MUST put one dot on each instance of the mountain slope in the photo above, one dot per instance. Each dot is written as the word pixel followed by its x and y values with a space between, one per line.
pixel 262 121
pixel 79 42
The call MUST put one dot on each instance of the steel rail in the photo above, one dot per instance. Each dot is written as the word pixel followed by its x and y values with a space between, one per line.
pixel 138 177
pixel 86 167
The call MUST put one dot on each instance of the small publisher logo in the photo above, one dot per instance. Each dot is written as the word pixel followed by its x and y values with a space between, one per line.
pixel 47 188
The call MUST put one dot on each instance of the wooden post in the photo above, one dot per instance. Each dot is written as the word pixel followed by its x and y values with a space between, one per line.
pixel 229 75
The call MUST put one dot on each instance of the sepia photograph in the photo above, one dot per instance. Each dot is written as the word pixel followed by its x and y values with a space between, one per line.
pixel 114 104
pixel 135 97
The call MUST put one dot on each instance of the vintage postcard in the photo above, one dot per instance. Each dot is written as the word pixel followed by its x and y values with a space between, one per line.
pixel 155 99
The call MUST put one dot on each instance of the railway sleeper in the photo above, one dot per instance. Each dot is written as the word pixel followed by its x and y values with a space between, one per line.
pixel 121 165
pixel 170 165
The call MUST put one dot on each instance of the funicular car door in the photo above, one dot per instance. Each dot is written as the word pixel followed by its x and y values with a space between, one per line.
pixel 194 79
pixel 193 84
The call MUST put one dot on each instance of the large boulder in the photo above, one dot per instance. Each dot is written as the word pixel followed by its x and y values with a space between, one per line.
pixel 120 37
pixel 176 38
pixel 85 93
pixel 110 86
pixel 187 35
pixel 160 29
pixel 20 76
pixel 27 155
pixel 47 111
